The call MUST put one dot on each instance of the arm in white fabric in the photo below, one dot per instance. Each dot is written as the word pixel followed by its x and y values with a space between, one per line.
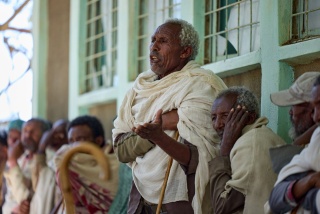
pixel 154 132
pixel 129 146
pixel 223 201
pixel 40 163
pixel 16 184
pixel 43 199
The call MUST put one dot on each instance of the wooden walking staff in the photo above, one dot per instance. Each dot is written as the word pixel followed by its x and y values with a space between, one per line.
pixel 66 189
pixel 164 184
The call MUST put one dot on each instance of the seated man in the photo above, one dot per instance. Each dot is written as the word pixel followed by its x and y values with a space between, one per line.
pixel 47 194
pixel 241 178
pixel 297 187
pixel 298 97
pixel 91 194
pixel 19 175
pixel 13 134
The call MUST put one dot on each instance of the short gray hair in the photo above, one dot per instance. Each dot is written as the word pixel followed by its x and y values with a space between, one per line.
pixel 244 98
pixel 188 36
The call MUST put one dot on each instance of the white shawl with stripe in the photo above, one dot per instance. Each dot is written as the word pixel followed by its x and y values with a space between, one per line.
pixel 192 91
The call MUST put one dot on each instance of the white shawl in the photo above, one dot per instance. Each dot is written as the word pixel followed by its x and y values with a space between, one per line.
pixel 308 159
pixel 192 91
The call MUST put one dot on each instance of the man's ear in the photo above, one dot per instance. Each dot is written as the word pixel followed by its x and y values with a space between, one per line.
pixel 99 141
pixel 252 118
pixel 186 52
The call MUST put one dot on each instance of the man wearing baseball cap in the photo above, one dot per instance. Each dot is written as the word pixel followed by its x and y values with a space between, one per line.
pixel 298 97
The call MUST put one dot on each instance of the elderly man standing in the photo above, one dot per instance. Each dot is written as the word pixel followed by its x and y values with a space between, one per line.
pixel 241 177
pixel 175 95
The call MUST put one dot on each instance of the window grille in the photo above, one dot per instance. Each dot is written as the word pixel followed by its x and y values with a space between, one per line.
pixel 152 13
pixel 101 44
pixel 231 29
pixel 305 22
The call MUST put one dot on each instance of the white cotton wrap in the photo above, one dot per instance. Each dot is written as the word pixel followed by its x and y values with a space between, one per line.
pixel 192 91
pixel 308 159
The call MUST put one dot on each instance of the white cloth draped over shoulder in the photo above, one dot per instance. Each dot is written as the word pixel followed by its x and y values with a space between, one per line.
pixel 308 159
pixel 192 91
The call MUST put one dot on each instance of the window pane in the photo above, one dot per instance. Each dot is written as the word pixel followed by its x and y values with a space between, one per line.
pixel 101 43
pixel 231 28
pixel 305 20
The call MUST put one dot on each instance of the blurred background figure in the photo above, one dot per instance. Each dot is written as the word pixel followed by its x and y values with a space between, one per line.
pixel 3 159
pixel 14 131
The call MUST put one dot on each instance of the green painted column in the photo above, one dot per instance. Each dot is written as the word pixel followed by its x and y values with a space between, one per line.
pixel 276 75
pixel 76 56
pixel 39 59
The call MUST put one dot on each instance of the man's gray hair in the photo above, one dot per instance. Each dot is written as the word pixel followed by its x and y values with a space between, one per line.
pixel 244 98
pixel 188 36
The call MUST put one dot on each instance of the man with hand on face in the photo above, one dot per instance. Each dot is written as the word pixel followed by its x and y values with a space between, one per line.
pixel 241 177
pixel 47 194
pixel 20 177
pixel 143 134
pixel 14 131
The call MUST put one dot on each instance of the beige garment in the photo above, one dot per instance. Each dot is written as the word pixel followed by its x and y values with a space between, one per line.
pixel 192 91
pixel 22 184
pixel 44 198
pixel 252 172
pixel 88 171
pixel 19 184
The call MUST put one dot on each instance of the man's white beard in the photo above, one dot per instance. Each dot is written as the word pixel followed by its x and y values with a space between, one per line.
pixel 292 133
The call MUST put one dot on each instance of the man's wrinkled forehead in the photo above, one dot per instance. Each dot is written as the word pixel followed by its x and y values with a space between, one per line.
pixel 169 29
pixel 230 99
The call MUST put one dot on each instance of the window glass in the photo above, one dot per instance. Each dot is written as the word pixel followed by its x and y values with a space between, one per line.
pixel 101 43
pixel 305 19
pixel 231 29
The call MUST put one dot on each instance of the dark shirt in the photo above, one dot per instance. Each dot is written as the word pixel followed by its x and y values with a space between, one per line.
pixel 220 174
pixel 280 202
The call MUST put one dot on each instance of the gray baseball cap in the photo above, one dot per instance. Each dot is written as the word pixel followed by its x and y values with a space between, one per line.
pixel 299 92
